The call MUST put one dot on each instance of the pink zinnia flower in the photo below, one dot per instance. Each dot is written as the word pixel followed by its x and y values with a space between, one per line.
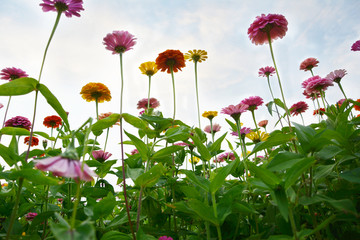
pixel 298 108
pixel 135 151
pixel 243 132
pixel 253 102
pixel 69 7
pixel 183 144
pixel 1 105
pixel 336 75
pixel 316 84
pixel 12 73
pixel 263 123
pixel 100 155
pixel 165 238
pixel 216 128
pixel 30 216
pixel 273 24
pixel 356 46
pixel 235 111
pixel 309 64
pixel 119 41
pixel 312 95
pixel 266 71
pixel 143 103
pixel 65 167
pixel 18 121
pixel 225 156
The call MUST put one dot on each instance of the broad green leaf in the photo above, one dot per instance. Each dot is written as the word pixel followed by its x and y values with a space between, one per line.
pixel 344 205
pixel 293 174
pixel 204 211
pixel 328 152
pixel 304 133
pixel 20 86
pixel 177 134
pixel 215 146
pixel 232 125
pixel 35 176
pixel 44 135
pixel 134 173
pixel 280 197
pixel 197 180
pixel 269 107
pixel 272 141
pixel 115 235
pixel 151 177
pixel 140 146
pixel 135 121
pixel 323 171
pixel 104 123
pixel 164 152
pixel 190 192
pixel 268 177
pixel 104 207
pixel 62 230
pixel 15 131
pixel 140 235
pixel 9 156
pixel 352 175
pixel 220 176
pixel 204 152
pixel 283 160
pixel 244 207
pixel 279 103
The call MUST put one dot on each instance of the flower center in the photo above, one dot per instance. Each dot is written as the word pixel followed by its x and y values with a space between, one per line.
pixel 96 95
pixel 120 49
pixel 195 57
pixel 337 80
pixel 149 72
pixel 170 62
pixel 13 77
pixel 267 28
pixel 61 7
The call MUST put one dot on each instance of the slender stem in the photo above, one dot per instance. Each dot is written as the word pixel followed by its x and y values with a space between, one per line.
pixel 122 84
pixel 32 126
pixel 212 131
pixel 215 213
pixel 6 111
pixel 148 105
pixel 276 108
pixel 302 119
pixel 106 139
pixel 97 108
pixel 322 97
pixel 256 126
pixel 140 200
pixel 197 93
pixel 73 217
pixel 342 90
pixel 173 85
pixel 311 72
pixel 292 222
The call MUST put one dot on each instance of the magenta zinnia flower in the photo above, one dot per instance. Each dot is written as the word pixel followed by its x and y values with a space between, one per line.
pixel 309 64
pixel 165 238
pixel 19 122
pixel 316 84
pixel 273 24
pixel 100 155
pixel 312 95
pixel 12 73
pixel 143 103
pixel 266 71
pixel 243 132
pixel 298 108
pixel 216 128
pixel 356 46
pixel 336 75
pixel 69 7
pixel 235 111
pixel 225 156
pixel 119 41
pixel 30 216
pixel 253 102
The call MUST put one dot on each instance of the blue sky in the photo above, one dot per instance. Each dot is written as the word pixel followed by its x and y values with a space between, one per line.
pixel 321 29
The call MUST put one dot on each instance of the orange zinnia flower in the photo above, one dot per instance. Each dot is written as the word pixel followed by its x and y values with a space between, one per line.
pixel 52 121
pixel 34 141
pixel 170 59
pixel 356 107
pixel 95 91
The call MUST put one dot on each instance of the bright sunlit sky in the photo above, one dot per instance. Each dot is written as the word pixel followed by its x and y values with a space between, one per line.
pixel 317 28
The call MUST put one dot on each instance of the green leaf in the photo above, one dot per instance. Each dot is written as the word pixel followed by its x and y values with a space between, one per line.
pixel 204 211
pixel 140 146
pixel 204 152
pixel 151 177
pixel 9 156
pixel 304 133
pixel 215 147
pixel 197 180
pixel 352 175
pixel 177 134
pixel 54 103
pixel 268 177
pixel 35 176
pixel 244 207
pixel 44 135
pixel 115 235
pixel 295 171
pixel 279 196
pixel 140 235
pixel 134 173
pixel 104 123
pixel 269 107
pixel 328 152
pixel 20 86
pixel 104 207
pixel 273 140
pixel 164 152
pixel 15 131
pixel 220 176
pixel 279 103
pixel 283 160
pixel 135 121
pixel 232 125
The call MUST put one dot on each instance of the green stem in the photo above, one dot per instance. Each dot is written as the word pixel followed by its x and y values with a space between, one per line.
pixel 311 72
pixel 342 90
pixel 15 209
pixel 32 126
pixel 73 217
pixel 97 108
pixel 6 111
pixel 173 85
pixel 302 119
pixel 322 98
pixel 216 215
pixel 197 93
pixel 256 126
pixel 273 98
pixel 106 139
pixel 292 222
pixel 148 105
pixel 140 200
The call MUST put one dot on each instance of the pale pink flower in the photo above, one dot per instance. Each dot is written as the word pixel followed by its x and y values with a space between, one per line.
pixel 336 75
pixel 298 108
pixel 235 111
pixel 266 71
pixel 309 64
pixel 100 155
pixel 12 73
pixel 216 128
pixel 253 102
pixel 143 103
pixel 119 41
pixel 312 95
pixel 69 7
pixel 356 46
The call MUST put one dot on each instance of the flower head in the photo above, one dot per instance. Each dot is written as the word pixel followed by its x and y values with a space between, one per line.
pixel 12 73
pixel 312 95
pixel 316 84
pixel 210 114
pixel 143 103
pixel 134 151
pixel 319 111
pixel 243 132
pixel 34 141
pixel 356 46
pixel 100 155
pixel 309 64
pixel 194 160
pixel 336 75
pixel 30 216
pixel 18 121
pixel 235 111
pixel 1 105
pixel 257 136
pixel 253 102
pixel 298 108
pixel 273 24
pixel 216 128
pixel 341 102
pixel 165 238
pixel 119 41
pixel 148 68
pixel 263 123
pixel 196 55
pixel 95 91
pixel 170 59
pixel 225 156
pixel 69 7
pixel 105 115
pixel 52 121
pixel 356 107
pixel 266 71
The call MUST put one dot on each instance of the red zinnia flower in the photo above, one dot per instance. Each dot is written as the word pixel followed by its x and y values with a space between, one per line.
pixel 34 141
pixel 225 156
pixel 298 108
pixel 170 59
pixel 320 111
pixel 273 24
pixel 309 64
pixel 12 74
pixel 135 151
pixel 52 121
pixel 356 46
pixel 266 71
pixel 356 107
pixel 69 7
pixel 119 41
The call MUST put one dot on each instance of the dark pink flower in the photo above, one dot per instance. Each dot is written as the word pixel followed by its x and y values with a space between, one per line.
pixel 135 151
pixel 312 95
pixel 298 108
pixel 356 46
pixel 1 105
pixel 266 71
pixel 100 155
pixel 69 7
pixel 263 123
pixel 336 75
pixel 225 156
pixel 309 64
pixel 216 128
pixel 143 103
pixel 274 24
pixel 243 132
pixel 18 121
pixel 253 102
pixel 65 167
pixel 30 216
pixel 165 238
pixel 119 41
pixel 316 84
pixel 183 144
pixel 12 73
pixel 235 111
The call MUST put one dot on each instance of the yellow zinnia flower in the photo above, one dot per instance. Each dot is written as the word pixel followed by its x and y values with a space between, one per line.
pixel 210 114
pixel 148 68
pixel 257 136
pixel 95 91
pixel 194 160
pixel 196 55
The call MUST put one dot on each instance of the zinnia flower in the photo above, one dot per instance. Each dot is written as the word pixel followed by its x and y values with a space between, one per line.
pixel 312 95
pixel 266 71
pixel 341 101
pixel 216 128
pixel 52 121
pixel 336 75
pixel 243 132
pixel 12 73
pixel 273 24
pixel 30 216
pixel 309 64
pixel 105 115
pixel 34 141
pixel 95 91
pixel 165 238
pixel 210 114
pixel 148 68
pixel 170 59
pixel 1 105
pixel 196 55
pixel 316 84
pixel 69 7
pixel 194 160
pixel 298 108
pixel 356 46
pixel 253 102
pixel 257 136
pixel 225 156
pixel 356 107
pixel 135 151
pixel 235 111
pixel 100 155
pixel 320 111
pixel 143 103
pixel 263 123
pixel 18 121
pixel 119 41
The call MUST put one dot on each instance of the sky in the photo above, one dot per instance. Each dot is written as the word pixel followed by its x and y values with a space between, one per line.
pixel 321 29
